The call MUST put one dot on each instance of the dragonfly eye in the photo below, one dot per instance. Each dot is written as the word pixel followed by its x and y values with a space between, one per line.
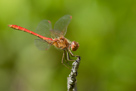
pixel 74 46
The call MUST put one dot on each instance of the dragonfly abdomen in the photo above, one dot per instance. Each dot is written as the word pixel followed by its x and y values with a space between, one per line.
pixel 31 32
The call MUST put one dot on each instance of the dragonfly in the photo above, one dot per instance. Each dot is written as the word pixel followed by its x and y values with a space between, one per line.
pixel 48 36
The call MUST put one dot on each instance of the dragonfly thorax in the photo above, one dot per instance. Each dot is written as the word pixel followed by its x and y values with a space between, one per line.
pixel 61 43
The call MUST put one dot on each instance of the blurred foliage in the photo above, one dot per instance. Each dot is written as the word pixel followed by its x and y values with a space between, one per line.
pixel 105 30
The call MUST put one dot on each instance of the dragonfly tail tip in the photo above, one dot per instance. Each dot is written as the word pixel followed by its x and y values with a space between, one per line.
pixel 10 25
pixel 70 17
pixel 49 21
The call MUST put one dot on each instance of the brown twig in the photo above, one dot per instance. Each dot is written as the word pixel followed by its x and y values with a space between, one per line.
pixel 71 80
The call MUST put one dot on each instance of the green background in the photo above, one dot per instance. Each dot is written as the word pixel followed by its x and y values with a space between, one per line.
pixel 105 30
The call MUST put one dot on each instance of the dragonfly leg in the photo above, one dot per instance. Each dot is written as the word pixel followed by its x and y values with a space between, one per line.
pixel 72 53
pixel 64 57
pixel 68 57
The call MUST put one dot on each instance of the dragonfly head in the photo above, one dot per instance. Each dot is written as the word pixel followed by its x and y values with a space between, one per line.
pixel 74 46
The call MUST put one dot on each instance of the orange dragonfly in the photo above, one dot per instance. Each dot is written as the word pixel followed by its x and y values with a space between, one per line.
pixel 48 36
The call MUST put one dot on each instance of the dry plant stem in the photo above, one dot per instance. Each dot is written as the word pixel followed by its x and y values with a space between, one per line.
pixel 71 80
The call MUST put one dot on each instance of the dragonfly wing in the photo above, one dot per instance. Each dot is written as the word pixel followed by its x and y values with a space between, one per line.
pixel 41 44
pixel 44 28
pixel 60 27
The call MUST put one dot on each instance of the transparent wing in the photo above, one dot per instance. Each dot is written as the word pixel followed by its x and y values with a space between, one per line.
pixel 60 27
pixel 41 44
pixel 44 28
